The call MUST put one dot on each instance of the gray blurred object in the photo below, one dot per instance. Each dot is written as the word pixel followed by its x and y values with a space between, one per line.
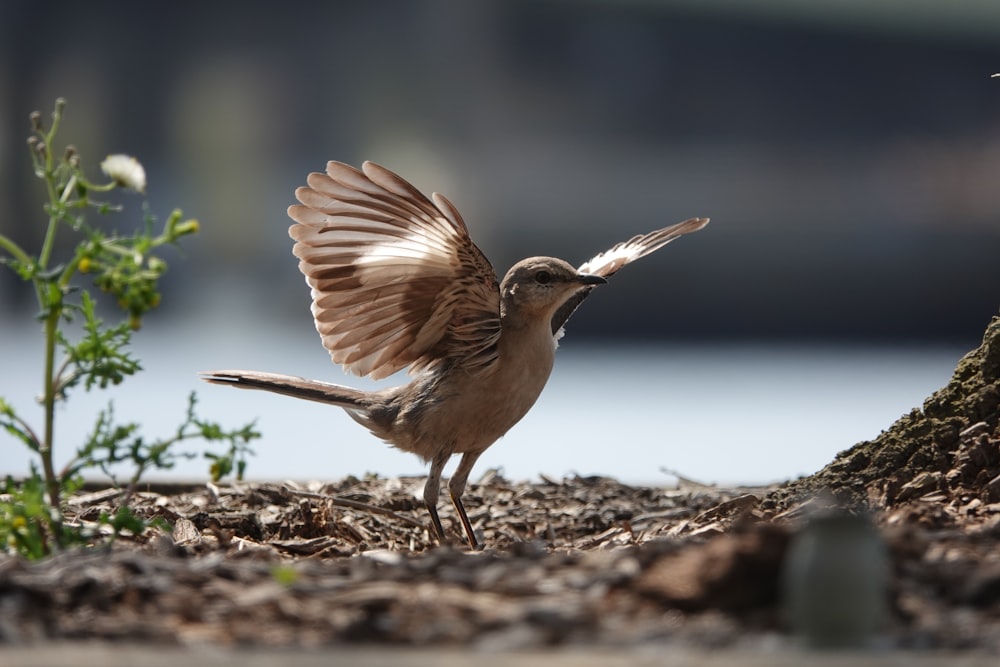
pixel 835 582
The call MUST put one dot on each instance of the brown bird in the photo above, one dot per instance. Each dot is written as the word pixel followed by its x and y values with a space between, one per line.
pixel 397 283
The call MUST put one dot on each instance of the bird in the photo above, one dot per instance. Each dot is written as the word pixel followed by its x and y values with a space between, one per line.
pixel 397 283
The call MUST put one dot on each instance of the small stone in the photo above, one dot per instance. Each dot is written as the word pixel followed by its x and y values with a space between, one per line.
pixel 921 485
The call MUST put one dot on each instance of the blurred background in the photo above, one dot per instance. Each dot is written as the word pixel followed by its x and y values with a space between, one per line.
pixel 848 153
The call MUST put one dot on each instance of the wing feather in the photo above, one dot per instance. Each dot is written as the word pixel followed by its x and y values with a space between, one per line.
pixel 396 280
pixel 610 261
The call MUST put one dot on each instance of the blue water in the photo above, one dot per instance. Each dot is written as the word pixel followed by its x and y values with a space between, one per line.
pixel 726 414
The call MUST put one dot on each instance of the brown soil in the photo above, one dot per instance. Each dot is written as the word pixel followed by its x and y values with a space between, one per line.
pixel 574 561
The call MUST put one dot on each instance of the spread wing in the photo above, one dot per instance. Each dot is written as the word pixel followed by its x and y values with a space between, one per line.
pixel 610 261
pixel 396 280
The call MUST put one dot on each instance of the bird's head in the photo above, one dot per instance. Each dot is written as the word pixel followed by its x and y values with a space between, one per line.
pixel 538 286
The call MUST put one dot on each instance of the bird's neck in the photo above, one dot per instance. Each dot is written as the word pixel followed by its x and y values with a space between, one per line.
pixel 527 346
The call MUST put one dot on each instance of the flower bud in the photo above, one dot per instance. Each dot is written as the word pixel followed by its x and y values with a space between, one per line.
pixel 72 157
pixel 187 227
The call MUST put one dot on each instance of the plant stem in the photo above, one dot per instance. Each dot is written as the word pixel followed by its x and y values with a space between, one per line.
pixel 50 185
pixel 49 401
pixel 22 257
pixel 14 250
pixel 51 302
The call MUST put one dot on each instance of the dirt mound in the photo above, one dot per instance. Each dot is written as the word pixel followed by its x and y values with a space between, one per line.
pixel 947 452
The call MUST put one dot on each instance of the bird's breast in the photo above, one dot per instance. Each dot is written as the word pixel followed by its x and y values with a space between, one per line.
pixel 499 400
pixel 477 408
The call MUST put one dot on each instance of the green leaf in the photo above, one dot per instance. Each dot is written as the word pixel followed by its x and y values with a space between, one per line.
pixel 99 358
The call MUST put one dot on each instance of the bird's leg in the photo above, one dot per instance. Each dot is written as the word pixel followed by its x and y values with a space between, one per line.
pixel 456 487
pixel 432 490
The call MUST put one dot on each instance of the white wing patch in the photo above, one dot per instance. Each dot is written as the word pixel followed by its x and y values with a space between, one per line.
pixel 415 249
pixel 610 261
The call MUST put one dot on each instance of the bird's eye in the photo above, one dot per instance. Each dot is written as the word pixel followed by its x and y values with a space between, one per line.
pixel 543 277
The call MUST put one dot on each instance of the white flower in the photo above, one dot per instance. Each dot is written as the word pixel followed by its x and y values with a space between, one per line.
pixel 126 171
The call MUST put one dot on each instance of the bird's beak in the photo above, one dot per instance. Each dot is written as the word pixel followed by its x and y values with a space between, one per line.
pixel 588 279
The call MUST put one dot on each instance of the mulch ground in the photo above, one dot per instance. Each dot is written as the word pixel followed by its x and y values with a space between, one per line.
pixel 576 561
pixel 914 515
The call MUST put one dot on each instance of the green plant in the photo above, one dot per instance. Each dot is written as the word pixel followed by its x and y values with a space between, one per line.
pixel 127 268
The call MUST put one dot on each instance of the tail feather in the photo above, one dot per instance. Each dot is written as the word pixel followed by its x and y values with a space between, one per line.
pixel 290 385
